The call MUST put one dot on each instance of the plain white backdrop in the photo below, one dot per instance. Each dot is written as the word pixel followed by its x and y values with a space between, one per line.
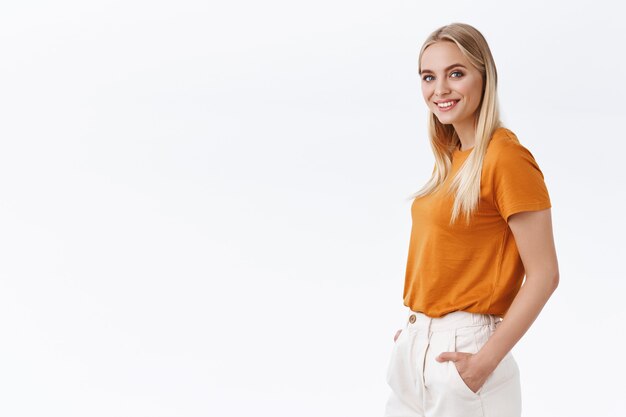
pixel 203 205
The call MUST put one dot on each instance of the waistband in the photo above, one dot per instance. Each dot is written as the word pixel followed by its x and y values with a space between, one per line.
pixel 452 320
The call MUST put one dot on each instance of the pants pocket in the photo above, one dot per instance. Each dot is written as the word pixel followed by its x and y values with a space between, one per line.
pixel 398 355
pixel 506 369
pixel 464 341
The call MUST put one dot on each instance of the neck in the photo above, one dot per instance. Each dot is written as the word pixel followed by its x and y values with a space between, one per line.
pixel 467 135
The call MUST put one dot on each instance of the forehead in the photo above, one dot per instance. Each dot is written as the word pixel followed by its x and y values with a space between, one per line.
pixel 439 55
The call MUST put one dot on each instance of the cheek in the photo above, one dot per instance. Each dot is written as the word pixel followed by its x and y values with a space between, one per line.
pixel 471 92
pixel 473 88
pixel 426 93
pixel 477 93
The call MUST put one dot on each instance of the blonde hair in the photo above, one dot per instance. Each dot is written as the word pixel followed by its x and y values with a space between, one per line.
pixel 443 138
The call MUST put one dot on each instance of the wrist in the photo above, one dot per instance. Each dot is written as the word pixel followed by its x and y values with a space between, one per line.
pixel 488 359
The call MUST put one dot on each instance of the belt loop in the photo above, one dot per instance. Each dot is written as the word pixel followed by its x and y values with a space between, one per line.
pixel 492 322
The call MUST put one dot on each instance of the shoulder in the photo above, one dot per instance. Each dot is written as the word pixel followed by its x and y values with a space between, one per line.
pixel 504 147
pixel 507 157
pixel 504 140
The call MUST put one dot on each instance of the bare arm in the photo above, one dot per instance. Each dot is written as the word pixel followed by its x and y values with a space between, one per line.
pixel 533 235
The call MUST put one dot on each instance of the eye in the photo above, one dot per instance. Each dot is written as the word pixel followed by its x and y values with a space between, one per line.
pixel 425 77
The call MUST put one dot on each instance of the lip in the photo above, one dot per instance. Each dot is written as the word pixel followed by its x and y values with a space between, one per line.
pixel 445 101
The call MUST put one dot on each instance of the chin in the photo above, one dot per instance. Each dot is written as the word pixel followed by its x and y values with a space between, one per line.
pixel 445 121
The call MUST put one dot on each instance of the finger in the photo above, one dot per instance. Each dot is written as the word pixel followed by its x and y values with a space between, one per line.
pixel 446 356
pixel 450 356
pixel 397 335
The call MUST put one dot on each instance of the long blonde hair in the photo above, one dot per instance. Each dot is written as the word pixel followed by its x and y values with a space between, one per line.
pixel 443 138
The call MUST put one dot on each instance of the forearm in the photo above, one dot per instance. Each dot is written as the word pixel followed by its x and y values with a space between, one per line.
pixel 525 308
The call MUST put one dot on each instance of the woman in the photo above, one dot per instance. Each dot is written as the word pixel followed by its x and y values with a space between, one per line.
pixel 480 224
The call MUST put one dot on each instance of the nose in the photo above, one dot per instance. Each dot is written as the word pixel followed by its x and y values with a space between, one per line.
pixel 441 88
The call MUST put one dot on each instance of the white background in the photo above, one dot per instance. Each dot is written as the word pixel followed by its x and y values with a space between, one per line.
pixel 203 205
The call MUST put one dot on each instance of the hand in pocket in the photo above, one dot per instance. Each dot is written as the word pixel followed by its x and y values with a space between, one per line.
pixel 397 335
pixel 472 373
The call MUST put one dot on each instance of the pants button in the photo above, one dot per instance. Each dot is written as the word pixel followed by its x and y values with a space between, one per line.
pixel 412 318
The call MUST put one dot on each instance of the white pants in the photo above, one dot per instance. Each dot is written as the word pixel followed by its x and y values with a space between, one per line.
pixel 423 387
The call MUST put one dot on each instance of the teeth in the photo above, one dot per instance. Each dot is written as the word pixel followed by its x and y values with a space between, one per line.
pixel 446 104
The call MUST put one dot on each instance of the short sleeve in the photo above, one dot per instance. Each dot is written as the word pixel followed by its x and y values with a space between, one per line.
pixel 518 181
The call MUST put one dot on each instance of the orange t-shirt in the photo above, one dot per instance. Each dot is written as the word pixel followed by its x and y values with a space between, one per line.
pixel 475 267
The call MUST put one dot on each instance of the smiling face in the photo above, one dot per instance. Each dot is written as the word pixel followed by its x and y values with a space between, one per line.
pixel 449 78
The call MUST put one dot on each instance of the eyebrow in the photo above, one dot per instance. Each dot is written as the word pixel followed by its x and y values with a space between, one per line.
pixel 446 69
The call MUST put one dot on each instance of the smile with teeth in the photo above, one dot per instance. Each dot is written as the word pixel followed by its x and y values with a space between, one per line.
pixel 447 104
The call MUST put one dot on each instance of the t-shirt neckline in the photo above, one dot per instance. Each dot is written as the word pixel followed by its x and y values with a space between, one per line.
pixel 461 153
